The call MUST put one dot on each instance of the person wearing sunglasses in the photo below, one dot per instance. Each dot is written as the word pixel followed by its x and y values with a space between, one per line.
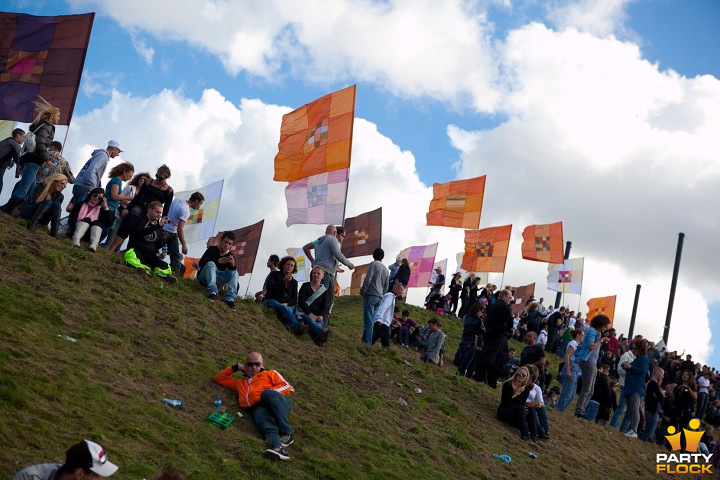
pixel 264 395
pixel 90 214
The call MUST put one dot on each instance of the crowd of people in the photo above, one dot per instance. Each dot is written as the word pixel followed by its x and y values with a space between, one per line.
pixel 626 383
pixel 646 391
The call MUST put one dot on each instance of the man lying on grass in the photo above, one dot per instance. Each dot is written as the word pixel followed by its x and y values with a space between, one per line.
pixel 263 394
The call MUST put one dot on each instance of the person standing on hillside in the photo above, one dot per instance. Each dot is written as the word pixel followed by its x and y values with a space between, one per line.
pixel 264 395
pixel 10 152
pixel 90 175
pixel 84 460
pixel 174 229
pixel 587 355
pixel 374 286
pixel 490 361
pixel 328 256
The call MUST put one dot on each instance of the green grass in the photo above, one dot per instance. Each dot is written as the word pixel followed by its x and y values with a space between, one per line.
pixel 139 340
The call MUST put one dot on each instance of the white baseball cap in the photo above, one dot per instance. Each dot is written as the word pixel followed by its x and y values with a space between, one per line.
pixel 116 144
pixel 89 455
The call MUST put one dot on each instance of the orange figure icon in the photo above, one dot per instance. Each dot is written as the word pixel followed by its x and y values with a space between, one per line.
pixel 692 438
pixel 673 439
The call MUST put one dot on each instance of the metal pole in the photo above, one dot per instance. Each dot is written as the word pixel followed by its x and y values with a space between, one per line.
pixel 673 285
pixel 634 312
pixel 568 245
pixel 248 285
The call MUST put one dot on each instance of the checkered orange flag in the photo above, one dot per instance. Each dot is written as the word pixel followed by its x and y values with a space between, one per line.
pixel 317 137
pixel 543 243
pixel 602 305
pixel 457 204
pixel 486 249
pixel 357 279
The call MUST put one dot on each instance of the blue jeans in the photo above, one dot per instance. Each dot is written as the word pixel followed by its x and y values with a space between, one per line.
pixel 541 420
pixel 284 312
pixel 619 413
pixel 370 304
pixel 112 231
pixel 703 399
pixel 651 422
pixel 210 276
pixel 80 194
pixel 314 327
pixel 271 416
pixel 28 210
pixel 25 186
pixel 569 386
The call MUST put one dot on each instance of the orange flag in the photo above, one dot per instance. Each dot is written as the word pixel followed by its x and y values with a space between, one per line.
pixel 486 249
pixel 604 305
pixel 457 204
pixel 543 243
pixel 317 137
pixel 190 270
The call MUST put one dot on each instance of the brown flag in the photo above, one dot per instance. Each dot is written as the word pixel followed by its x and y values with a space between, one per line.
pixel 362 234
pixel 247 240
pixel 358 276
pixel 521 296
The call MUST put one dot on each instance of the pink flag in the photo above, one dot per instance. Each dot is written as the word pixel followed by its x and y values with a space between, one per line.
pixel 421 260
pixel 318 200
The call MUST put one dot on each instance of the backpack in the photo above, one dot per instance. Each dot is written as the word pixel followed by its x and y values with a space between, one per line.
pixel 31 139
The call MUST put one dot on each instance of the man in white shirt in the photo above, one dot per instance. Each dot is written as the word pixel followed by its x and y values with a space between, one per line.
pixel 174 230
pixel 626 357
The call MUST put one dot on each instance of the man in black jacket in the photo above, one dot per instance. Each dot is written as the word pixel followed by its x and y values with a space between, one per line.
pixel 490 361
pixel 217 266
pixel 145 240
pixel 10 152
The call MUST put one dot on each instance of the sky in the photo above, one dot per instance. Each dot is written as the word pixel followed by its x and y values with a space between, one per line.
pixel 602 115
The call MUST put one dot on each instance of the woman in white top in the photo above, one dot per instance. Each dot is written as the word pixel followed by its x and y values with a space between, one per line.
pixel 570 371
pixel 537 405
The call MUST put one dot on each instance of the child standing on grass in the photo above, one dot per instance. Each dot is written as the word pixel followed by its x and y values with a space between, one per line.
pixel 436 341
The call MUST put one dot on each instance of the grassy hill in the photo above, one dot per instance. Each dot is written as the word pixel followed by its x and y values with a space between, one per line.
pixel 140 339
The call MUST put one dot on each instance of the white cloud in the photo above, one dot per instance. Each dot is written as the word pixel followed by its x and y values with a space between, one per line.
pixel 146 52
pixel 602 18
pixel 622 153
pixel 412 49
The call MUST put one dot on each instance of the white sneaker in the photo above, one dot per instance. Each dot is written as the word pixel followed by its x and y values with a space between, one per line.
pixel 631 434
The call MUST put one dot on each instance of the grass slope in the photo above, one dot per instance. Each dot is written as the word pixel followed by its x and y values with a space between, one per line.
pixel 139 340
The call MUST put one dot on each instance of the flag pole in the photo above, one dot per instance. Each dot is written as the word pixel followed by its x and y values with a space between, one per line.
pixel 248 284
pixel 568 246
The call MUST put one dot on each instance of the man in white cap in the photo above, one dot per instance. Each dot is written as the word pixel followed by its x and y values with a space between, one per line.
pixel 91 174
pixel 85 460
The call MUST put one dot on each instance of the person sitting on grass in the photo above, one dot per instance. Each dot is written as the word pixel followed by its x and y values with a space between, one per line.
pixel 84 460
pixel 89 214
pixel 47 206
pixel 384 315
pixel 537 405
pixel 314 304
pixel 436 342
pixel 281 296
pixel 513 409
pixel 264 395
pixel 403 333
pixel 551 398
pixel 144 242
pixel 217 268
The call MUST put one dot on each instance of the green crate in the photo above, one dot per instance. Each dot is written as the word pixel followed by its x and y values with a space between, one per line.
pixel 222 420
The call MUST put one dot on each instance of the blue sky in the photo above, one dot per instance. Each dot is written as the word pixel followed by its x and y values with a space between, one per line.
pixel 509 116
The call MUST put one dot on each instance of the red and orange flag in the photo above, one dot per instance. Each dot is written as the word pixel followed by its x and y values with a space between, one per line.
pixel 604 305
pixel 317 137
pixel 543 243
pixel 190 270
pixel 457 204
pixel 520 297
pixel 486 249
pixel 362 234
